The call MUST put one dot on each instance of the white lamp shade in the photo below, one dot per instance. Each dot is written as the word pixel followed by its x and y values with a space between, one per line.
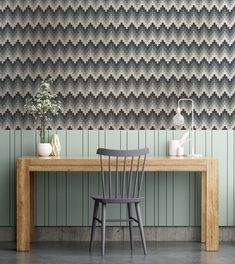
pixel 178 120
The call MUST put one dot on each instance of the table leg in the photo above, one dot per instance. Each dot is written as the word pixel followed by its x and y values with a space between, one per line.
pixel 203 207
pixel 212 214
pixel 22 207
pixel 32 231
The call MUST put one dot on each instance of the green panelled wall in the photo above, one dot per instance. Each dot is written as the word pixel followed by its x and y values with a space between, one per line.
pixel 63 199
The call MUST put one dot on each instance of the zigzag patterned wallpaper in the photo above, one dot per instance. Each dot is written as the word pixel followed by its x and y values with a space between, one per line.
pixel 119 64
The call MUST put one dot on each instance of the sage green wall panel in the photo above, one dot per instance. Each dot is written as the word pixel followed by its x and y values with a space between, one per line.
pixel 40 199
pixel 85 181
pixel 181 199
pixel 192 199
pixel 74 144
pixel 123 135
pixel 162 187
pixel 46 199
pixel 102 143
pixel 233 175
pixel 93 178
pixel 150 182
pixel 219 150
pixel 61 210
pixel 169 187
pixel 17 146
pixel 113 140
pixel 181 196
pixel 230 166
pixel 200 148
pixel 123 145
pixel 132 139
pixel 12 178
pixel 142 144
pixel 156 179
pixel 209 145
pixel 29 140
pixel 46 186
pixel 64 198
pixel 4 178
pixel 52 194
pixel 200 141
pixel 133 143
pixel 52 202
pixel 102 138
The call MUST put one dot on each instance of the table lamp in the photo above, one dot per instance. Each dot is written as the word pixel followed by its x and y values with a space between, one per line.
pixel 178 120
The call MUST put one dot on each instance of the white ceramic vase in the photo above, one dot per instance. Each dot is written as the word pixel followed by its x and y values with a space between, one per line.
pixel 44 149
pixel 56 146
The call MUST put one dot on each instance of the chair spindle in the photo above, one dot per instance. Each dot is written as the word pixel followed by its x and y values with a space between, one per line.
pixel 124 178
pixel 102 176
pixel 136 178
pixel 116 191
pixel 130 177
pixel 141 176
pixel 110 179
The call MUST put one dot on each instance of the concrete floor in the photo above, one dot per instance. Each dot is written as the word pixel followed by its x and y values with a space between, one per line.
pixel 117 253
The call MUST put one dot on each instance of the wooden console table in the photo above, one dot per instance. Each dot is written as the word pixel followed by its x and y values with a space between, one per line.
pixel 25 196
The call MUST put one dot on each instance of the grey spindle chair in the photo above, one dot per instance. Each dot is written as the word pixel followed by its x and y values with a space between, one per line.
pixel 122 178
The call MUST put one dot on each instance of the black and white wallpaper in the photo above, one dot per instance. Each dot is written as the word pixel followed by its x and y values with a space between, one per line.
pixel 119 64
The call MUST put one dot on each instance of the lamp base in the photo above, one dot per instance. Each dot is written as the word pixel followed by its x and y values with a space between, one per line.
pixel 195 155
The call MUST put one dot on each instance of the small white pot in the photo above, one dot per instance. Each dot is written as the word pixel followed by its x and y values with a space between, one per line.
pixel 173 146
pixel 44 149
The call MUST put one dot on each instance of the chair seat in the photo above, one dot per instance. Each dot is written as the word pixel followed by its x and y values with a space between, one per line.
pixel 101 199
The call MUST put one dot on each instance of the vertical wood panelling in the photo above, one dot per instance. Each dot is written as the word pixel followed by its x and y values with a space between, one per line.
pixel 61 187
pixel 200 148
pixel 74 180
pixel 132 143
pixel 85 181
pixel 123 145
pixel 192 177
pixel 162 183
pixel 64 199
pixel 219 150
pixel 169 188
pixel 230 167
pixel 93 178
pixel 12 178
pixel 52 194
pixel 233 209
pixel 17 153
pixel 150 183
pixel 142 144
pixel 46 192
pixel 182 195
pixel 113 140
pixel 156 179
pixel 4 178
pixel 40 190
pixel 52 203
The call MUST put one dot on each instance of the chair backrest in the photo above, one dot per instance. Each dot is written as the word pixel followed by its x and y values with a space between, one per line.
pixel 122 172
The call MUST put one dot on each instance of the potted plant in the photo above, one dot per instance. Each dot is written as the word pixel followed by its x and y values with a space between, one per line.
pixel 41 107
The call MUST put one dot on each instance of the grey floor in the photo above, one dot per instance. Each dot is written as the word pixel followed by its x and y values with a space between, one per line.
pixel 117 253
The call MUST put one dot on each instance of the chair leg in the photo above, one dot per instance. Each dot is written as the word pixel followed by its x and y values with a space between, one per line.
pixel 138 214
pixel 103 228
pixel 130 223
pixel 95 212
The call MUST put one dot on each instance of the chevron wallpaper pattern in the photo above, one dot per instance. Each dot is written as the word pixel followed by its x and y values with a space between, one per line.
pixel 119 64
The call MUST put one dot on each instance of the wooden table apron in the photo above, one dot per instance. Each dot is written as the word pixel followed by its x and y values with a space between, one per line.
pixel 25 196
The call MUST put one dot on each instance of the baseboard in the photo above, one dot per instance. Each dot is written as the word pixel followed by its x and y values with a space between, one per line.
pixel 117 234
